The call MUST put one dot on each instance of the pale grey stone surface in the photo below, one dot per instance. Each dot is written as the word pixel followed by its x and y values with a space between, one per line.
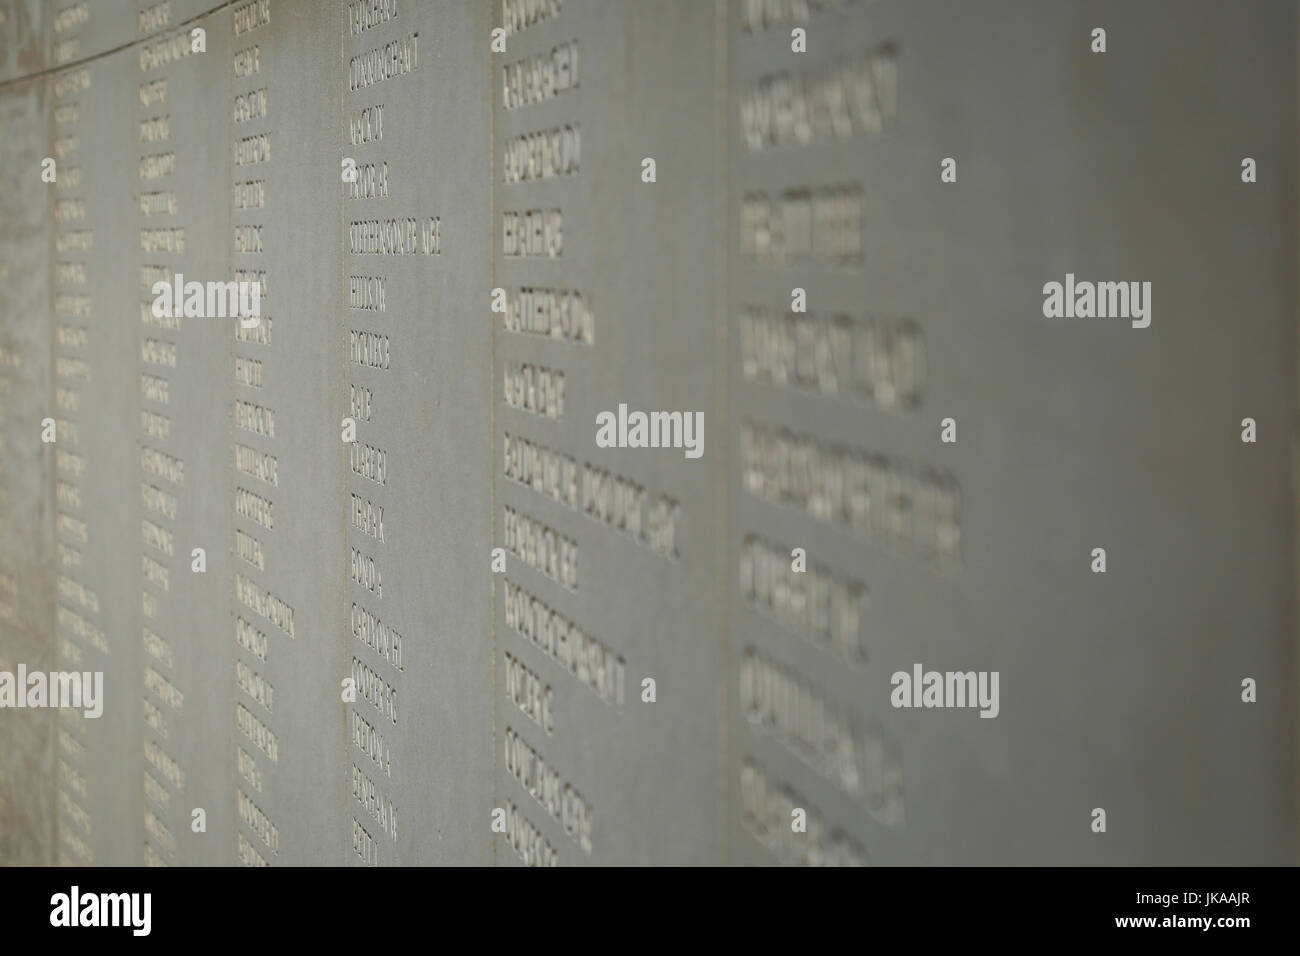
pixel 1118 690
pixel 303 792
pixel 98 261
pixel 430 414
pixel 642 254
pixel 199 405
pixel 26 28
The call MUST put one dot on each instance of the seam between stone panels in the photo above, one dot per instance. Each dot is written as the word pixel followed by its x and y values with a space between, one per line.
pixel 340 330
pixel 51 238
pixel 492 406
pixel 722 543
pixel 73 64
pixel 232 744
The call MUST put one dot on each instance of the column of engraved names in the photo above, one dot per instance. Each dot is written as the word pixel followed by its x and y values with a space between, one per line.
pixel 807 339
pixel 11 751
pixel 68 27
pixel 262 619
pixel 82 644
pixel 163 478
pixel 553 660
pixel 27 515
pixel 382 49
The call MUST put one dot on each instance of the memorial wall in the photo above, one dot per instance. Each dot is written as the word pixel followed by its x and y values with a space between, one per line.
pixel 646 432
